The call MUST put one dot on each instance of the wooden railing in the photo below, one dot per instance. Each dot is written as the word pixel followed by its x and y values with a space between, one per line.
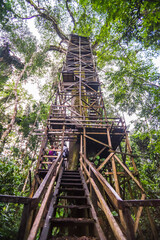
pixel 128 228
pixel 29 224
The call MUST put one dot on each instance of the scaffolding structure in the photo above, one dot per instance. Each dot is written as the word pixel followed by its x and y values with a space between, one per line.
pixel 97 186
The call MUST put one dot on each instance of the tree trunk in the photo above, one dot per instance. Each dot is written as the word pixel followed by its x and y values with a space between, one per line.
pixel 74 148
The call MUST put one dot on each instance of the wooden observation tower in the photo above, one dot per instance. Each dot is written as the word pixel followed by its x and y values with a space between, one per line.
pixel 94 192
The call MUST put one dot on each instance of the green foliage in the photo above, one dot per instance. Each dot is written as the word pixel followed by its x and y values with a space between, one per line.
pixel 25 122
pixel 5 73
pixel 12 179
pixel 5 8
pixel 128 19
pixel 147 147
pixel 11 183
pixel 9 220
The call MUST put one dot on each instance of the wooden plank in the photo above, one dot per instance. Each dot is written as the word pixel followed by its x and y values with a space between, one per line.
pixel 72 220
pixel 71 197
pixel 142 203
pixel 16 199
pixel 118 173
pixel 73 206
pixel 56 150
pixel 95 140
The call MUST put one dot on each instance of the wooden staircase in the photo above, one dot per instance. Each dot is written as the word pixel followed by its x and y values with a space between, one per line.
pixel 71 214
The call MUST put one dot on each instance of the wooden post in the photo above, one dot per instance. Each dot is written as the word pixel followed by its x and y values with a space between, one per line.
pixel 24 222
pixel 129 224
pixel 153 228
pixel 81 149
pixel 138 215
pixel 84 140
pixel 80 78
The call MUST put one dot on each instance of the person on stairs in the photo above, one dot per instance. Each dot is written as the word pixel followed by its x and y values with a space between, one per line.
pixel 65 156
pixel 52 152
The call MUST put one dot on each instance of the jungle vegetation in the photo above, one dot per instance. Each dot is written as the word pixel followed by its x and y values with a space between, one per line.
pixel 125 38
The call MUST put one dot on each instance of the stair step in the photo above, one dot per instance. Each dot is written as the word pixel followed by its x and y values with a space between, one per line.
pixel 42 170
pixel 73 206
pixel 74 238
pixel 72 220
pixel 71 173
pixel 71 176
pixel 71 197
pixel 71 190
pixel 71 180
pixel 72 184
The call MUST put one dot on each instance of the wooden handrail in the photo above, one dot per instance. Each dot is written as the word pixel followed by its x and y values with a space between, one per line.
pixel 40 213
pixel 118 202
pixel 47 179
pixel 113 224
pixel 144 203
pixel 107 187
pixel 15 199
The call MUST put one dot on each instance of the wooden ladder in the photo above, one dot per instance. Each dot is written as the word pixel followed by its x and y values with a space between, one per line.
pixel 71 214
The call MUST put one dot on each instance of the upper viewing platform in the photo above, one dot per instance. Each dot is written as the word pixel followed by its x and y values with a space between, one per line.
pixel 79 61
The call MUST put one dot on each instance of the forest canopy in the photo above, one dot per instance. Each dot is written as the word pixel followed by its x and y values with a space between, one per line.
pixel 125 38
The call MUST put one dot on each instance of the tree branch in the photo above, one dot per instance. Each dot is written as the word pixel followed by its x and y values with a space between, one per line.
pixel 26 17
pixel 70 13
pixel 57 48
pixel 46 15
